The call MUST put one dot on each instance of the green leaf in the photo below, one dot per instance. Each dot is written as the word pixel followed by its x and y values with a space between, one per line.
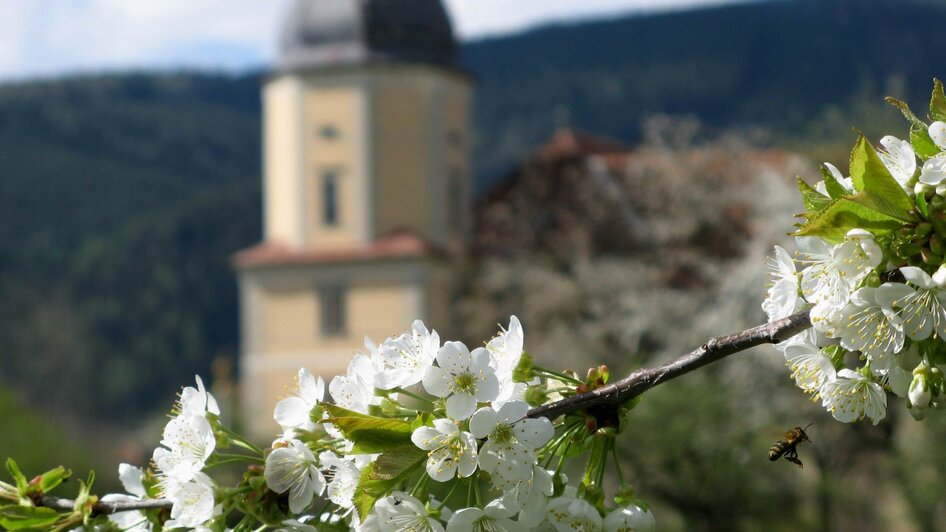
pixel 21 483
pixel 878 189
pixel 16 517
pixel 423 419
pixel 923 145
pixel 391 470
pixel 370 434
pixel 907 113
pixel 52 478
pixel 922 206
pixel 814 200
pixel 835 189
pixel 844 214
pixel 938 102
pixel 337 411
pixel 919 130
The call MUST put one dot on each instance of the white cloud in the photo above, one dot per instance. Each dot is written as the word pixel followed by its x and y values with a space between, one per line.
pixel 50 37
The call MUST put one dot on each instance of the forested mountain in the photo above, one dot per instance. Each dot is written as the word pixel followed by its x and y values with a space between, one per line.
pixel 122 196
pixel 800 68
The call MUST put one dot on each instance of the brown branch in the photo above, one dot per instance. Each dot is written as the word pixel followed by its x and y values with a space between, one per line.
pixel 615 393
pixel 105 507
pixel 644 379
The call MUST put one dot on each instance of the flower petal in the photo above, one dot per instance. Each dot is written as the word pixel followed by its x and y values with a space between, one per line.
pixel 454 357
pixel 534 433
pixel 483 422
pixel 460 405
pixel 438 382
pixel 292 412
pixel 512 411
pixel 427 438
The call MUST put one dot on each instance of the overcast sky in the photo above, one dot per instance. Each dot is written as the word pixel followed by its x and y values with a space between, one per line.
pixel 51 37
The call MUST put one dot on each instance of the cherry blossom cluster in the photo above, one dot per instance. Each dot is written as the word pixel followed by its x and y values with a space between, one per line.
pixel 870 270
pixel 418 434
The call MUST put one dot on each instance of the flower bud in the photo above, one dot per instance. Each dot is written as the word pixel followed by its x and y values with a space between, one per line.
pixel 537 395
pixel 524 370
pixel 920 394
pixel 936 244
pixel 930 258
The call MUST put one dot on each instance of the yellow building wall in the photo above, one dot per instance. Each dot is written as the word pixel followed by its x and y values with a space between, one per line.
pixel 282 160
pixel 401 113
pixel 456 112
pixel 284 309
pixel 341 108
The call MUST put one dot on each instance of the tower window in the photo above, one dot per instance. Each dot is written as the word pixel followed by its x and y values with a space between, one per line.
pixel 328 132
pixel 332 300
pixel 330 197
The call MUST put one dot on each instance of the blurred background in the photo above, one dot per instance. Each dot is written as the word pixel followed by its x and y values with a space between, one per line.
pixel 632 162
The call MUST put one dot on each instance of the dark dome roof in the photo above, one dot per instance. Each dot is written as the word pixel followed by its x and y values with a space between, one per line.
pixel 327 33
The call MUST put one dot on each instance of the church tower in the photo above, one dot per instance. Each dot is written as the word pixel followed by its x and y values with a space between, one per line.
pixel 366 189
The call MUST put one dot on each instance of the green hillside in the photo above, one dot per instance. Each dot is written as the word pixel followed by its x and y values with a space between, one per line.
pixel 121 199
pixel 122 196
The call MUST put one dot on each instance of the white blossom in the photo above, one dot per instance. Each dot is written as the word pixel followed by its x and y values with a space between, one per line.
pixel 934 171
pixel 495 517
pixel 512 440
pixel 451 452
pixel 400 511
pixel 811 368
pixel 871 326
pixel 569 513
pixel 355 390
pixel 832 272
pixel 923 311
pixel 898 379
pixel 343 477
pixel 532 496
pixel 192 502
pixel 295 412
pixel 199 401
pixel 462 377
pixel 294 469
pixel 937 131
pixel 630 518
pixel 133 520
pixel 407 357
pixel 188 442
pixel 783 298
pixel 852 396
pixel 899 158
pixel 505 350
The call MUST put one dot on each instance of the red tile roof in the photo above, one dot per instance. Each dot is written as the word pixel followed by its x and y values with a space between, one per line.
pixel 403 244
pixel 569 143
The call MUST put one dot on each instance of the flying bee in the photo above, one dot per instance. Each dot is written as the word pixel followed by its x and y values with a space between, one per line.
pixel 787 445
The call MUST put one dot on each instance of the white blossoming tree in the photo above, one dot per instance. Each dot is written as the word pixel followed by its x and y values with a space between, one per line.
pixel 426 435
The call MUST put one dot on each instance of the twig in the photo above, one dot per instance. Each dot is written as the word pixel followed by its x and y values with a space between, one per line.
pixel 105 507
pixel 644 379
